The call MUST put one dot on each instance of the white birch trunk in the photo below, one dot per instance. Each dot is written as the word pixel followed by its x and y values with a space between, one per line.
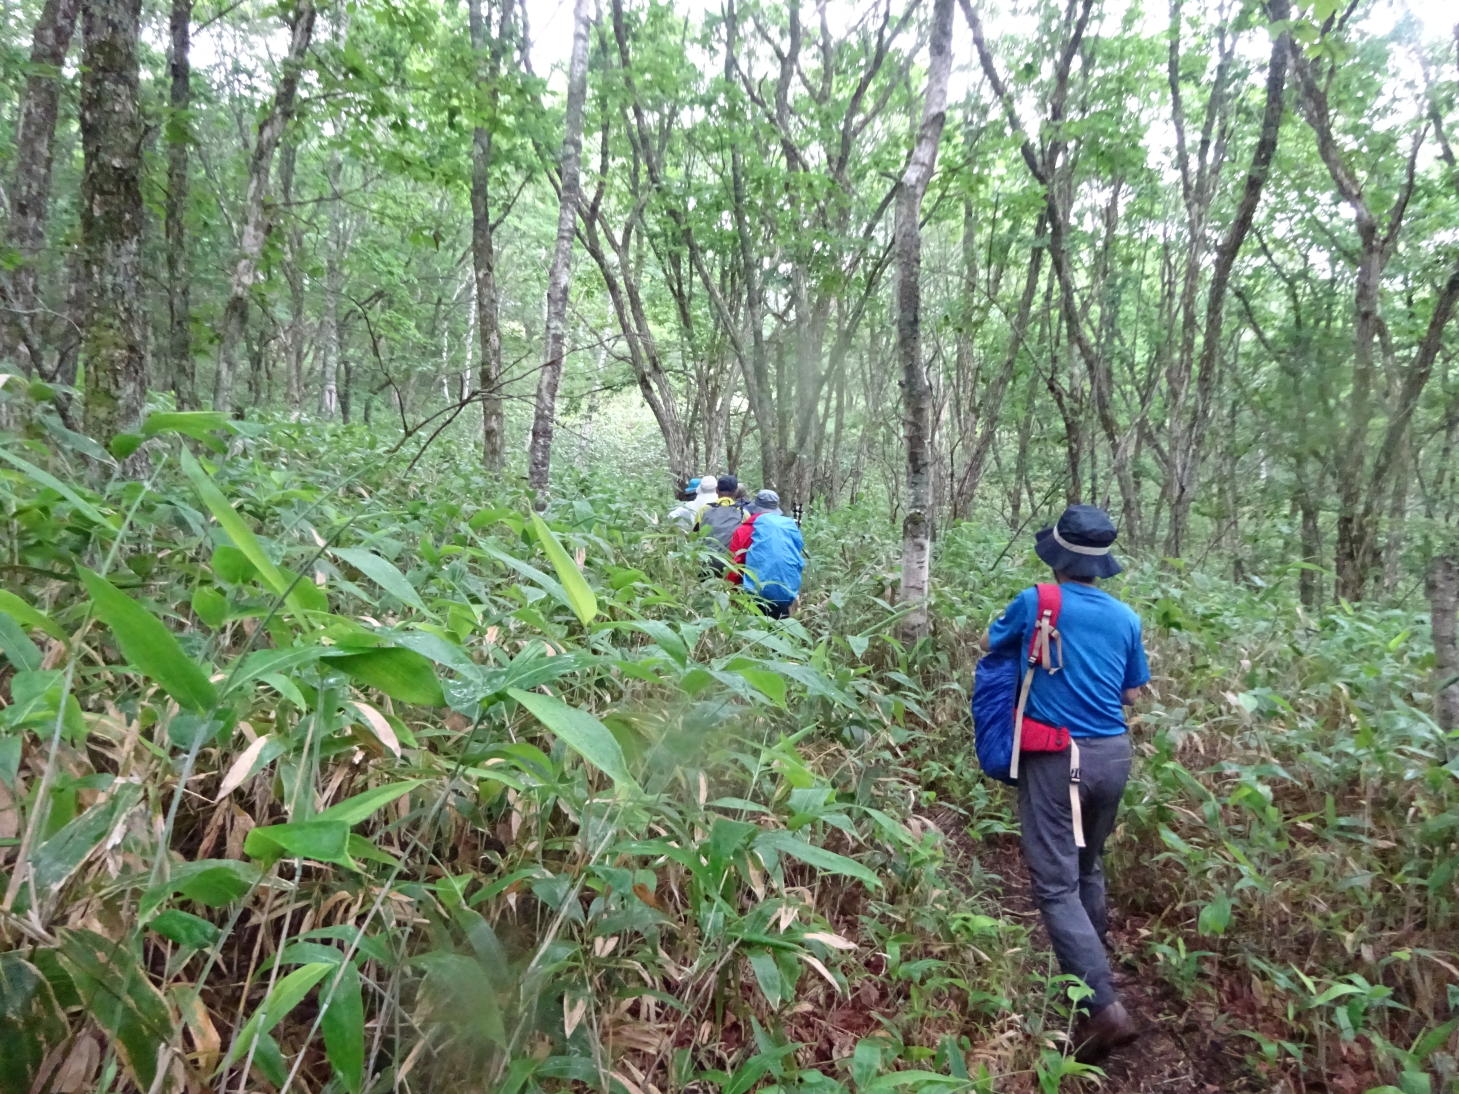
pixel 539 457
pixel 916 390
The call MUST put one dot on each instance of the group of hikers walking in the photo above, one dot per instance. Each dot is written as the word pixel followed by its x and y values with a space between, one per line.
pixel 751 542
pixel 1060 666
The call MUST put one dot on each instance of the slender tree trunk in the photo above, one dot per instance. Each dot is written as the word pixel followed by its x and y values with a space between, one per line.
pixel 1355 549
pixel 620 278
pixel 255 222
pixel 1443 589
pixel 30 189
pixel 1397 519
pixel 990 400
pixel 1020 486
pixel 559 275
pixel 330 403
pixel 755 362
pixel 346 389
pixel 113 344
pixel 179 137
pixel 1309 582
pixel 68 353
pixel 916 390
pixel 1187 447
pixel 257 348
pixel 1396 446
pixel 483 247
pixel 293 250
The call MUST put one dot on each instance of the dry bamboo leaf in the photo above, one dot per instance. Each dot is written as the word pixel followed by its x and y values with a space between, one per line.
pixel 411 1060
pixel 48 1066
pixel 572 1013
pixel 55 654
pixel 756 877
pixel 240 824
pixel 207 1044
pixel 815 963
pixel 515 817
pixel 78 1069
pixel 603 946
pixel 1440 961
pixel 9 814
pixel 639 1037
pixel 213 830
pixel 240 768
pixel 670 966
pixel 647 895
pixel 826 938
pixel 376 723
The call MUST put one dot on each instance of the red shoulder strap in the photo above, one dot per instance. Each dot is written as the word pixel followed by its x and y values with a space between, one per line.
pixel 1051 599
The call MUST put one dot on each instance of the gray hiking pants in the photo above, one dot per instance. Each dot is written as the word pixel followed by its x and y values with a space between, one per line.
pixel 1069 883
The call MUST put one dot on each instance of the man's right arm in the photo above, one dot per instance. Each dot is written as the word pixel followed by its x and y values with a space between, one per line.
pixel 1007 629
pixel 1137 668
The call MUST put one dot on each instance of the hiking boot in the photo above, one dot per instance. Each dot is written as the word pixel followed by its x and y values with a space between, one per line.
pixel 1101 1033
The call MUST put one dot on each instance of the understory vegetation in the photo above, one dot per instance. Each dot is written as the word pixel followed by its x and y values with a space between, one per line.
pixel 328 766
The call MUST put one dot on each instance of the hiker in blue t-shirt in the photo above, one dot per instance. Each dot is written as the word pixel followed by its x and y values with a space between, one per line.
pixel 1103 670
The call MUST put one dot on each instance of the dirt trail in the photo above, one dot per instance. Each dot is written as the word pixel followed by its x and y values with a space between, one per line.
pixel 1180 1051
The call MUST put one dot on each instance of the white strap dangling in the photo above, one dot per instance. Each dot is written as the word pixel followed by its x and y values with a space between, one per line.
pixel 1076 808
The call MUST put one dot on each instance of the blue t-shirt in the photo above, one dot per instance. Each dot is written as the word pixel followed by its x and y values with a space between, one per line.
pixel 1103 655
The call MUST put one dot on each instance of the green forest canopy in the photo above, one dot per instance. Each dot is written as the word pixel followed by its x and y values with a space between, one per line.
pixel 1194 263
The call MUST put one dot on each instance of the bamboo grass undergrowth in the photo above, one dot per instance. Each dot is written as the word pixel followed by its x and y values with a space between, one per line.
pixel 703 852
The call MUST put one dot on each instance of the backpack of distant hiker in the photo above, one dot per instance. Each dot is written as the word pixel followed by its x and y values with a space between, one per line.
pixel 1000 728
pixel 721 519
pixel 776 558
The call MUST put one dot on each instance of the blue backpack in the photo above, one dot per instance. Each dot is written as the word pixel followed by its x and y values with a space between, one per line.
pixel 1000 729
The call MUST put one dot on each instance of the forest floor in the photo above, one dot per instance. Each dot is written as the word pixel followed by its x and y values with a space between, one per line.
pixel 1180 1051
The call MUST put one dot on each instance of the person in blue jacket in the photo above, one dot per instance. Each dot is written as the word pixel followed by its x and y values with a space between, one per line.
pixel 768 552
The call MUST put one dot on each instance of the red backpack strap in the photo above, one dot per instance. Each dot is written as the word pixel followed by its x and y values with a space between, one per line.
pixel 1046 637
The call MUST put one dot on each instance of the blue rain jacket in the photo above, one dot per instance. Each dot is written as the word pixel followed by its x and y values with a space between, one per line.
pixel 776 558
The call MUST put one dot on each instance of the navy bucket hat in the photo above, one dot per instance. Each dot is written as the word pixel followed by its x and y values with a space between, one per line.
pixel 1079 543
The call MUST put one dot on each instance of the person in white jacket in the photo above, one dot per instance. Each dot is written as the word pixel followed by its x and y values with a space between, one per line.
pixel 705 495
pixel 699 493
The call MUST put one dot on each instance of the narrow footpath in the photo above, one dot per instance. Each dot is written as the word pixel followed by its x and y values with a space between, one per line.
pixel 1180 1053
